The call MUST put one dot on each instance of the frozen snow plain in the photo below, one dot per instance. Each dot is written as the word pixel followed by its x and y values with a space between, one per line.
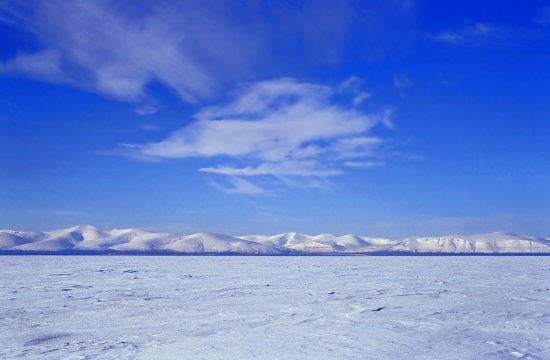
pixel 305 307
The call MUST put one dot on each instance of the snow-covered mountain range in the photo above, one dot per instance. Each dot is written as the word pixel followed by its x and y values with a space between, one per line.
pixel 87 238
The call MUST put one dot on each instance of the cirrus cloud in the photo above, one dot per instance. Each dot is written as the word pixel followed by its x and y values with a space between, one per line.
pixel 117 48
pixel 280 128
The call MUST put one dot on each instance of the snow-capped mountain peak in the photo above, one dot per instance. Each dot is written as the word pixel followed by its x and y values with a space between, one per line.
pixel 89 238
pixel 498 242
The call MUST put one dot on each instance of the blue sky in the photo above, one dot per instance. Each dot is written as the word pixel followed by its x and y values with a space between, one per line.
pixel 391 119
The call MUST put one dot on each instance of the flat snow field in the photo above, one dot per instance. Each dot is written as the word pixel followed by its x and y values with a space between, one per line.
pixel 234 307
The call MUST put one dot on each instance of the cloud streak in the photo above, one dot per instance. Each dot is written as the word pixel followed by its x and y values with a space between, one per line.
pixel 280 128
pixel 196 48
pixel 469 34
pixel 117 50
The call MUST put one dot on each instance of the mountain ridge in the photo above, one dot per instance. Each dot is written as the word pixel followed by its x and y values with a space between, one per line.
pixel 87 238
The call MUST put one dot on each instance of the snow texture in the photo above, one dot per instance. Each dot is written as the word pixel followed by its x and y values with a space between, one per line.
pixel 235 307
pixel 498 243
pixel 90 239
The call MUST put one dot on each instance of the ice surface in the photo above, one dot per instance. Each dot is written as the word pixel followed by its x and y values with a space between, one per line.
pixel 234 307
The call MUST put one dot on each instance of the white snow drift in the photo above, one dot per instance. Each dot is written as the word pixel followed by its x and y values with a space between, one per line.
pixel 89 238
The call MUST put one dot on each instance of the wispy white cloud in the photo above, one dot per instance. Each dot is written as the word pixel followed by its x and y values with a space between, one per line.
pixel 358 146
pixel 355 86
pixel 352 84
pixel 116 50
pixel 448 37
pixel 145 110
pixel 363 164
pixel 194 47
pixel 401 81
pixel 287 168
pixel 360 97
pixel 239 185
pixel 274 121
pixel 17 13
pixel 44 65
pixel 475 33
pixel 282 128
